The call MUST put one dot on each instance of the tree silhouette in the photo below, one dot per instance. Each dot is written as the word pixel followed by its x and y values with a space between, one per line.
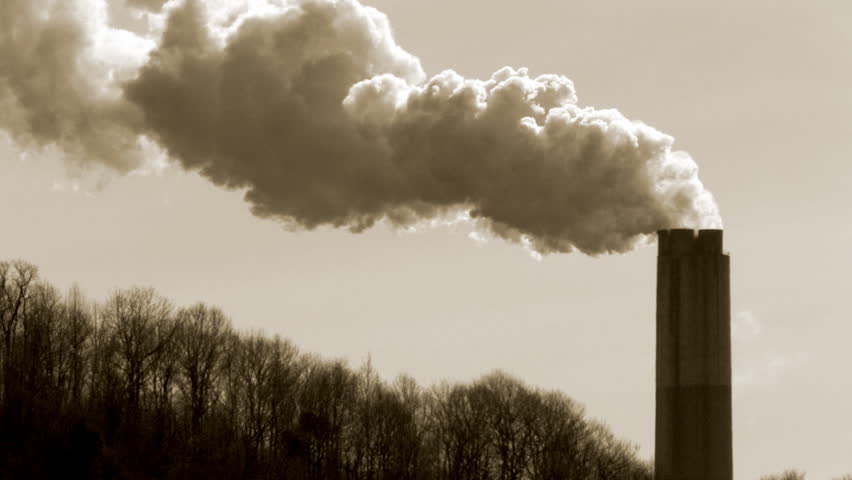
pixel 786 475
pixel 136 388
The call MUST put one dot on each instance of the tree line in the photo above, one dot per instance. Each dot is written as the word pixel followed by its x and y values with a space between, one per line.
pixel 136 388
pixel 793 474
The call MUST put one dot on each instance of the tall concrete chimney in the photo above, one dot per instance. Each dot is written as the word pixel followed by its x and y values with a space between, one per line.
pixel 693 418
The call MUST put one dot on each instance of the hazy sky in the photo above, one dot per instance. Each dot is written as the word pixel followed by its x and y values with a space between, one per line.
pixel 759 93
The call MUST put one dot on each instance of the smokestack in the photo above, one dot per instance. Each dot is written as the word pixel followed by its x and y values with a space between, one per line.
pixel 693 417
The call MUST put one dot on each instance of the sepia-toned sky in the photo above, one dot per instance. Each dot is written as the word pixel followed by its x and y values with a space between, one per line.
pixel 758 92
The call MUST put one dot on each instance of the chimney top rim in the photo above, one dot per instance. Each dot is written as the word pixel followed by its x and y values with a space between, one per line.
pixel 693 230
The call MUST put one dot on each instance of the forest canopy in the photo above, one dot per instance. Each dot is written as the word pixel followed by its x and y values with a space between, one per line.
pixel 137 387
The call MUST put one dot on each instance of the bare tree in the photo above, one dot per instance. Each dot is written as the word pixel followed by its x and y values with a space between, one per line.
pixel 287 374
pixel 16 280
pixel 38 349
pixel 106 382
pixel 138 321
pixel 325 405
pixel 383 434
pixel 200 343
pixel 76 332
pixel 459 421
pixel 162 382
pixel 559 438
pixel 256 365
pixel 509 411
pixel 410 419
pixel 614 459
pixel 362 437
pixel 226 414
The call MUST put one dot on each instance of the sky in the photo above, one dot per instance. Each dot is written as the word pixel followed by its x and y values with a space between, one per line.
pixel 757 92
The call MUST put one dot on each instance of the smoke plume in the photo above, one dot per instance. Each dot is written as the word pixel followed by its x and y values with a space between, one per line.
pixel 60 70
pixel 313 109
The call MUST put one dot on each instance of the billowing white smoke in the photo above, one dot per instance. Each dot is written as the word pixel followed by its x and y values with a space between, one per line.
pixel 60 74
pixel 312 108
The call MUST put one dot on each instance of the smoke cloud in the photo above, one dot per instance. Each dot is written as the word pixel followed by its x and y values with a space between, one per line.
pixel 313 109
pixel 60 70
